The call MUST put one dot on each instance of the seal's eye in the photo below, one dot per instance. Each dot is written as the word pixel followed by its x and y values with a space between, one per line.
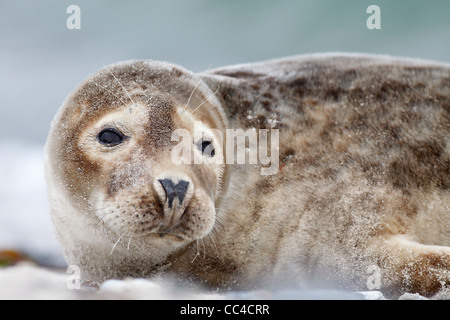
pixel 207 148
pixel 110 137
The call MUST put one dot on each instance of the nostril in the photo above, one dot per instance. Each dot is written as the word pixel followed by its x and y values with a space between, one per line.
pixel 173 190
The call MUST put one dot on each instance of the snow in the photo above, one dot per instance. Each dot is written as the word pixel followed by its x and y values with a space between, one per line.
pixel 26 281
pixel 372 295
pixel 411 296
pixel 30 282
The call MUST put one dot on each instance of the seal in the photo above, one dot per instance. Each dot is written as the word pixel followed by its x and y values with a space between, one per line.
pixel 359 199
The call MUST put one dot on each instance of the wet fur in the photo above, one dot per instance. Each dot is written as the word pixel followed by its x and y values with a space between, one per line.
pixel 363 180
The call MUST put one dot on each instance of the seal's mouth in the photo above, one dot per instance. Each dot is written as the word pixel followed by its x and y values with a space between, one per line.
pixel 140 220
pixel 166 234
pixel 161 232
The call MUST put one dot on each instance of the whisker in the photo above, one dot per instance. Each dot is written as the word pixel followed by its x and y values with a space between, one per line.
pixel 197 254
pixel 211 237
pixel 224 210
pixel 195 88
pixel 106 89
pixel 120 84
pixel 131 237
pixel 117 242
pixel 100 209
pixel 204 101
pixel 204 249
pixel 192 93
pixel 102 222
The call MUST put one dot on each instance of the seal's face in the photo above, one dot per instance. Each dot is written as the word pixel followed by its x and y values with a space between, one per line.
pixel 142 190
pixel 118 152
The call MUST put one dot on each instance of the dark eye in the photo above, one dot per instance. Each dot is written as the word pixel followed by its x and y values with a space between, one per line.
pixel 207 148
pixel 110 137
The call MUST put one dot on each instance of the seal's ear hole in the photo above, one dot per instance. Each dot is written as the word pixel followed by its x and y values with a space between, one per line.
pixel 206 147
pixel 110 137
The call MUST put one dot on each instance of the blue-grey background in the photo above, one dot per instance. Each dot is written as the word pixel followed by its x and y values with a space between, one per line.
pixel 41 60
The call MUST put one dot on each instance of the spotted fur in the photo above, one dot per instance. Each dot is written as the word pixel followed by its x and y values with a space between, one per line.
pixel 363 180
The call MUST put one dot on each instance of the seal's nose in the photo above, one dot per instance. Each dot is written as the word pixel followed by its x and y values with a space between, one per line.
pixel 174 190
pixel 175 193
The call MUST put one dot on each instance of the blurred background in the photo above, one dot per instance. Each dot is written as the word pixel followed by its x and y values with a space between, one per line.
pixel 41 61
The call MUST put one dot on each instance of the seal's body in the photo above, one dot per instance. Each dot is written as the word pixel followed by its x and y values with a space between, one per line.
pixel 361 190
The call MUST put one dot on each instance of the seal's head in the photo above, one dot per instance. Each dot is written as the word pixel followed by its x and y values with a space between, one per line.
pixel 134 167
